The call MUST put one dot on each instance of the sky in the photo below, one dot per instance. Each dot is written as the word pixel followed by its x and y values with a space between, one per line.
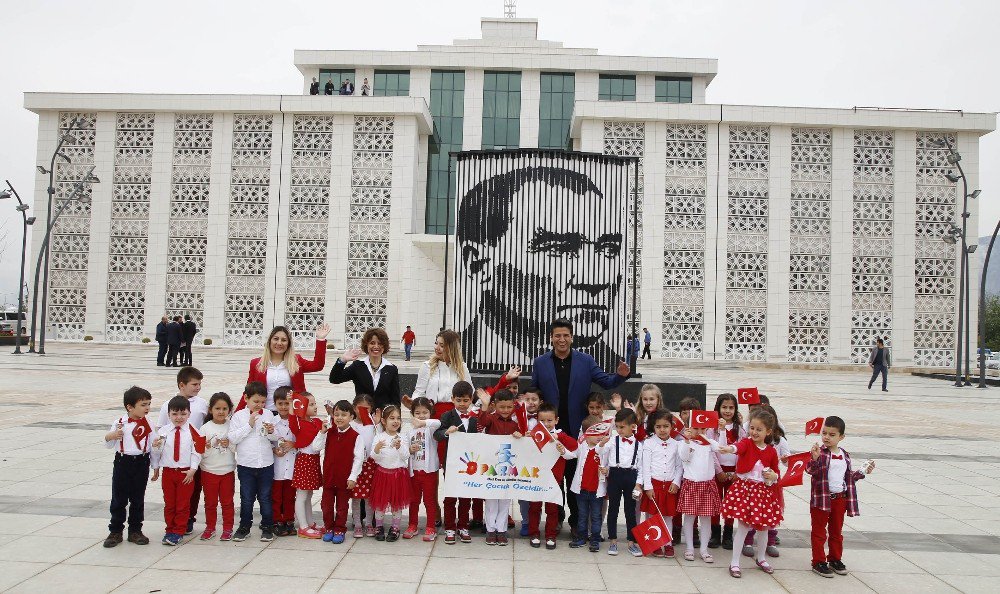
pixel 890 53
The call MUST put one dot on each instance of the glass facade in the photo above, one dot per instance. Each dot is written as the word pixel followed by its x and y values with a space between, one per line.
pixel 616 87
pixel 447 108
pixel 501 110
pixel 392 83
pixel 337 76
pixel 670 89
pixel 555 108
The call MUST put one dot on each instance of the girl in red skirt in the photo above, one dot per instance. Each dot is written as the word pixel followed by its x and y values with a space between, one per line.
pixel 310 438
pixel 365 423
pixel 752 499
pixel 699 496
pixel 729 432
pixel 660 473
pixel 391 487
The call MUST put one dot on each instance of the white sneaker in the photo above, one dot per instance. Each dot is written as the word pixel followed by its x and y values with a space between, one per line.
pixel 613 549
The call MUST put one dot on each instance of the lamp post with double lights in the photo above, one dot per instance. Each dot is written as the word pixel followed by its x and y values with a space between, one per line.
pixel 65 137
pixel 26 220
pixel 76 195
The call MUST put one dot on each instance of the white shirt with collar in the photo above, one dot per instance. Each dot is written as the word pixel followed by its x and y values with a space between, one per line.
pixel 360 452
pixel 199 412
pixel 217 460
pixel 127 445
pixel 437 386
pixel 375 373
pixel 699 461
pixel 660 461
pixel 284 466
pixel 426 458
pixel 582 452
pixel 163 457
pixel 619 452
pixel 277 376
pixel 836 472
pixel 389 457
pixel 253 444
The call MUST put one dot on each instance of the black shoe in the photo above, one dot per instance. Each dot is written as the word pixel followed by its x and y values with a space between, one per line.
pixel 281 529
pixel 573 534
pixel 727 538
pixel 885 389
pixel 838 567
pixel 716 540
pixel 380 534
pixel 190 527
pixel 241 534
pixel 822 569
pixel 113 540
pixel 393 535
pixel 266 535
pixel 290 529
pixel 138 538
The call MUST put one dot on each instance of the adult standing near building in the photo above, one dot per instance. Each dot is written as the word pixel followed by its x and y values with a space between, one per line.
pixel 280 365
pixel 347 87
pixel 175 337
pixel 369 370
pixel 161 341
pixel 328 87
pixel 314 87
pixel 647 339
pixel 441 372
pixel 190 328
pixel 409 339
pixel 879 361
pixel 366 89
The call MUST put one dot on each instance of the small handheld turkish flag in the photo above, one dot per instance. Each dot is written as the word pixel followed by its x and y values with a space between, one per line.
pixel 141 432
pixel 198 439
pixel 704 419
pixel 521 415
pixel 242 404
pixel 300 404
pixel 677 425
pixel 541 436
pixel 748 396
pixel 796 470
pixel 701 439
pixel 651 534
pixel 365 416
pixel 814 426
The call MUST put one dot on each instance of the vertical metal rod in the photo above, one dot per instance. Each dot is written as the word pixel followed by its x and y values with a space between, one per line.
pixel 20 282
pixel 635 266
pixel 982 309
pixel 447 225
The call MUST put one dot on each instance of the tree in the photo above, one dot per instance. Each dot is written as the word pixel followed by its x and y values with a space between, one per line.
pixel 992 316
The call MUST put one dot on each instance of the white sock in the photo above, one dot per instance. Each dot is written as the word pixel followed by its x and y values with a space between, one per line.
pixel 689 533
pixel 705 530
pixel 303 508
pixel 738 538
pixel 760 541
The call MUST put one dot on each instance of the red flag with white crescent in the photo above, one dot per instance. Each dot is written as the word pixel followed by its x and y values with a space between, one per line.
pixel 676 426
pixel 300 404
pixel 540 435
pixel 796 470
pixel 747 396
pixel 814 426
pixel 141 433
pixel 704 419
pixel 651 534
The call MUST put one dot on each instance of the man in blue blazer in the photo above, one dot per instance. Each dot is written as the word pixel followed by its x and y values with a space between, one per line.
pixel 564 376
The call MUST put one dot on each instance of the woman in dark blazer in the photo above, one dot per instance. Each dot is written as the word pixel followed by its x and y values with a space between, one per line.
pixel 368 369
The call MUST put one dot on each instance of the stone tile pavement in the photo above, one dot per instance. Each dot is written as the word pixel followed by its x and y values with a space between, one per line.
pixel 930 513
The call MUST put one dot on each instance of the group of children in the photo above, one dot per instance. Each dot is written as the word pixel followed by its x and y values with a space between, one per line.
pixel 641 458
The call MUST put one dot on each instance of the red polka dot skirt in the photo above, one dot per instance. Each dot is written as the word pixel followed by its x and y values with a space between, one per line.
pixel 752 503
pixel 363 488
pixel 306 475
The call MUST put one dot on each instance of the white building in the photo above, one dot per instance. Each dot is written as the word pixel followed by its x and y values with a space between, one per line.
pixel 767 233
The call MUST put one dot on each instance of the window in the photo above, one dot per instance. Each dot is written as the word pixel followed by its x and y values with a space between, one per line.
pixel 616 87
pixel 671 89
pixel 501 110
pixel 447 108
pixel 555 108
pixel 337 76
pixel 392 83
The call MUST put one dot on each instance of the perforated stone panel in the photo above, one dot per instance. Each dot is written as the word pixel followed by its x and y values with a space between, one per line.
pixel 683 321
pixel 871 264
pixel 250 179
pixel 628 139
pixel 368 248
pixel 747 243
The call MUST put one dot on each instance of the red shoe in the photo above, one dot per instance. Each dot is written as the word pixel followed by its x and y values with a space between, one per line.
pixel 411 531
pixel 510 522
pixel 668 552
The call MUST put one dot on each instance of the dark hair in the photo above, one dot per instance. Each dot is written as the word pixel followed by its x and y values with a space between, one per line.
pixel 689 403
pixel 770 422
pixel 836 423
pixel 135 395
pixel 764 399
pixel 484 211
pixel 548 407
pixel 727 397
pixel 879 342
pixel 560 323
pixel 503 396
pixel 378 333
pixel 359 398
pixel 533 390
pixel 462 389
pixel 187 374
pixel 626 415
pixel 595 397
pixel 347 407
pixel 590 420
pixel 282 393
pixel 178 403
pixel 255 388
pixel 220 396
pixel 778 431
pixel 422 402
pixel 655 416
pixel 187 316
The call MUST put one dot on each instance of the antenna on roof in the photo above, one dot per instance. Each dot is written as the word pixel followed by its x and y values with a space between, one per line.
pixel 510 9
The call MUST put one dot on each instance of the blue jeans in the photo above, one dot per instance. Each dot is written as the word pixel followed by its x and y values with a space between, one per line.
pixel 407 348
pixel 525 509
pixel 255 484
pixel 589 512
pixel 876 370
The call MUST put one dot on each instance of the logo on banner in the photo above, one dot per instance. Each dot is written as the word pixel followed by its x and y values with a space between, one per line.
pixel 504 466
pixel 500 467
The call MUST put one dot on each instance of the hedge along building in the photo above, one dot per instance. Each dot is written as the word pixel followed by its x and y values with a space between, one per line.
pixel 766 233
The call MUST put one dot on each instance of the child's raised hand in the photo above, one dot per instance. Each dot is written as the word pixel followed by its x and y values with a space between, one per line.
pixel 253 418
pixel 513 373
pixel 604 441
pixel 869 467
pixel 616 401
pixel 688 434
pixel 722 424
pixel 407 401
pixel 517 435
pixel 628 404
pixel 483 397
pixel 377 416
pixel 814 451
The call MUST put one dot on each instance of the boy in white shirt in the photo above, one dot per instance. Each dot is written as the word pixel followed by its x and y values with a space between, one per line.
pixel 189 386
pixel 131 436
pixel 252 430
pixel 177 449
pixel 282 490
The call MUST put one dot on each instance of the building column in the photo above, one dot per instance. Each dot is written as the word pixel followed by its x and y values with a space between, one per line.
pixel 650 302
pixel 472 124
pixel 100 227
pixel 158 230
pixel 283 127
pixel 339 227
pixel 841 244
pixel 904 237
pixel 716 190
pixel 216 249
pixel 405 150
pixel 531 90
pixel 968 146
pixel 779 242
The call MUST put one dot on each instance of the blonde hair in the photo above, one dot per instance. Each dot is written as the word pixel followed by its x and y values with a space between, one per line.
pixel 291 361
pixel 452 346
pixel 640 410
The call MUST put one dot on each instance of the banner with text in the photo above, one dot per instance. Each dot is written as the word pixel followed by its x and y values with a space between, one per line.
pixel 500 467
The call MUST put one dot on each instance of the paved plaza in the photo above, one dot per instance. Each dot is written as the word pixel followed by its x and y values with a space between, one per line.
pixel 929 518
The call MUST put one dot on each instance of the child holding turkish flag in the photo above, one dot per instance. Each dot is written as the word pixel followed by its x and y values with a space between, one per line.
pixel 548 417
pixel 131 436
pixel 699 495
pixel 660 474
pixel 751 500
pixel 282 489
pixel 730 431
pixel 177 449
pixel 310 439
pixel 781 446
pixel 366 418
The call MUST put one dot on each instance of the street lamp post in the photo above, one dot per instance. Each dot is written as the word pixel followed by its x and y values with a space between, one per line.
pixel 982 304
pixel 26 220
pixel 51 190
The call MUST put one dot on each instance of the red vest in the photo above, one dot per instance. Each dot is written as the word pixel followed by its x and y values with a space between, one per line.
pixel 339 457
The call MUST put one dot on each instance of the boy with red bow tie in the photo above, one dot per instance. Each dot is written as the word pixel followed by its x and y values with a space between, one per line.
pixel 832 495
pixel 589 483
pixel 177 449
pixel 623 456
pixel 461 418
pixel 566 446
pixel 131 436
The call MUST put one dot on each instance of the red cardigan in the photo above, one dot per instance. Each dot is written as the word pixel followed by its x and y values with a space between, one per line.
pixel 305 366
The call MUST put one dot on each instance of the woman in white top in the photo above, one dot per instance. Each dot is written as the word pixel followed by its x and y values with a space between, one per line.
pixel 281 366
pixel 441 372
